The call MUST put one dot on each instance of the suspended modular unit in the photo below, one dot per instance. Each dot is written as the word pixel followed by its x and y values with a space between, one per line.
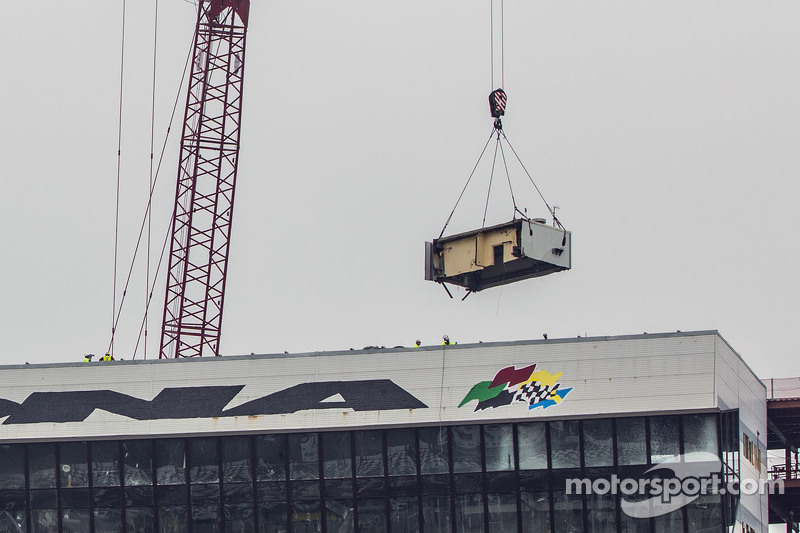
pixel 497 255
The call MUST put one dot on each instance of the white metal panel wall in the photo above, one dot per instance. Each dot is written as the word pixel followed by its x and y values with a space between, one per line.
pixel 608 376
pixel 739 388
pixel 543 241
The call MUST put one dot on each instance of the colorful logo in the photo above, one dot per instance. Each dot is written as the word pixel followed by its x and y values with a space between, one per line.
pixel 537 388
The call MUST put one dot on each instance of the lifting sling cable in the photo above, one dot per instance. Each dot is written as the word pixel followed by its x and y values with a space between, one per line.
pixel 149 211
pixel 118 310
pixel 491 178
pixel 119 173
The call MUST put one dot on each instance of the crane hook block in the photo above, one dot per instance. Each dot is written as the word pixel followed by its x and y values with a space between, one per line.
pixel 497 103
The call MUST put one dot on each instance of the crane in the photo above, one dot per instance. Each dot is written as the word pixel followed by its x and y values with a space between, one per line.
pixel 209 156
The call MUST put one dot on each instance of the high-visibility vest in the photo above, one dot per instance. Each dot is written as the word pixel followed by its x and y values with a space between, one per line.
pixel 107 357
pixel 87 360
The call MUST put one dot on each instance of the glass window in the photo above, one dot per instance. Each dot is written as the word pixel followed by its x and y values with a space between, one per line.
pixel 105 464
pixel 336 455
pixel 306 517
pixel 404 515
pixel 236 459
pixel 303 456
pixel 203 461
pixel 371 515
pixel 173 519
pixel 466 449
pixel 43 499
pixel 206 519
pixel 601 513
pixel 170 462
pixel 631 445
pixel 565 444
pixel 499 444
pixel 238 493
pixel 532 445
pixel 139 520
pixel 436 514
pixel 42 465
pixel 75 498
pixel 433 450
pixel 369 453
pixel 567 512
pixel 339 516
pixel 469 513
pixel 502 512
pixel 44 520
pixel 401 452
pixel 598 448
pixel 13 521
pixel 74 467
pixel 12 466
pixel 272 517
pixel 667 523
pixel 700 433
pixel 137 460
pixel 664 438
pixel 271 457
pixel 77 521
pixel 139 496
pixel 239 518
pixel 704 512
pixel 105 521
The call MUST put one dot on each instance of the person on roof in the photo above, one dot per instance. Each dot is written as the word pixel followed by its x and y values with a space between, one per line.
pixel 417 344
pixel 445 341
pixel 107 357
pixel 88 358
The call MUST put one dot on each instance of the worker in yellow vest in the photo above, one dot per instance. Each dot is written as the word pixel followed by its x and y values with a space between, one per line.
pixel 445 341
pixel 107 357
pixel 417 344
pixel 88 358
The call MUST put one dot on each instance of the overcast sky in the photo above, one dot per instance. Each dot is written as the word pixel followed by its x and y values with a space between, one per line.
pixel 667 132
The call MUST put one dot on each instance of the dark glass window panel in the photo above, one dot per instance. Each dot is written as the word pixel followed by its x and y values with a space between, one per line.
pixel 139 520
pixel 502 512
pixel 567 512
pixel 170 462
pixel 303 456
pixel 271 457
pixel 105 497
pixel 337 460
pixel 704 513
pixel 339 516
pixel 306 517
pixel 404 515
pixel 206 519
pixel 238 493
pixel 371 488
pixel 535 510
pixel 173 519
pixel 401 448
pixel 105 521
pixel 498 441
pixel 466 483
pixel 205 495
pixel 436 514
pixel 533 480
pixel 338 489
pixel 203 460
pixel 598 444
pixel 700 434
pixel 565 444
pixel 466 449
pixel 304 490
pixel 372 515
pixel 13 521
pixel 13 499
pixel 433 450
pixel 668 523
pixel 171 495
pixel 239 519
pixel 629 524
pixel 43 499
pixel 78 498
pixel 561 476
pixel 664 438
pixel 469 513
pixel 274 491
pixel 403 486
pixel 44 520
pixel 601 514
pixel 501 482
pixel 77 521
pixel 137 458
pixel 369 453
pixel 272 517
pixel 436 484
pixel 74 467
pixel 532 444
pixel 139 496
pixel 12 466
pixel 631 443
pixel 105 464
pixel 236 461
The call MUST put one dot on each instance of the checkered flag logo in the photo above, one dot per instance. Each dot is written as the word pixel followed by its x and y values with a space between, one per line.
pixel 536 388
pixel 534 392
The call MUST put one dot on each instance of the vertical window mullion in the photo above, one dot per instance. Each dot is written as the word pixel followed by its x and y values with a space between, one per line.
pixel 220 485
pixel 484 496
pixel 517 491
pixel 26 458
pixel 451 478
pixel 323 511
pixel 387 498
pixel 154 477
pixel 353 479
pixel 188 484
pixel 254 479
pixel 550 479
pixel 420 499
pixel 59 511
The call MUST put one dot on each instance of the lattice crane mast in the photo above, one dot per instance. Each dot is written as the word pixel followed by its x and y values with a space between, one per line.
pixel 209 155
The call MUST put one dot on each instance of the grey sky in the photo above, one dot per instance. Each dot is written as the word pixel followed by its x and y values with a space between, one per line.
pixel 667 132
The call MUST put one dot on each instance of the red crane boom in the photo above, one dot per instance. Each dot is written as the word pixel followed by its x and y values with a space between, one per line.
pixel 201 225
